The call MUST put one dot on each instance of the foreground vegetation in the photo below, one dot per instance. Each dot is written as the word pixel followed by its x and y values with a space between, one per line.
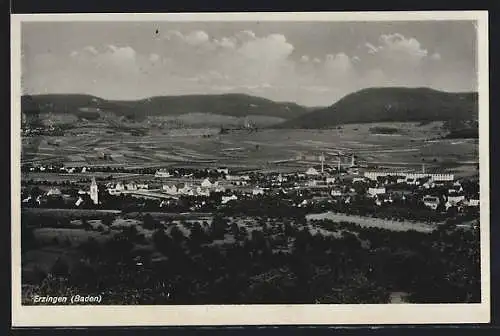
pixel 280 262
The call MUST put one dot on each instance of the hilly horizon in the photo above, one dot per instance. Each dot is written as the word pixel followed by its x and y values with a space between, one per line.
pixel 233 105
pixel 388 104
pixel 391 104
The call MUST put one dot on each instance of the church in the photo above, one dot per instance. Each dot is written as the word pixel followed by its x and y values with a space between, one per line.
pixel 94 191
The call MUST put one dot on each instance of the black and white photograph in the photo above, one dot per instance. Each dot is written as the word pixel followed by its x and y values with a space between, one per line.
pixel 250 168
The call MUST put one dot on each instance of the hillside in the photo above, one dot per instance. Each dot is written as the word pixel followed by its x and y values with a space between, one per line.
pixel 391 105
pixel 235 105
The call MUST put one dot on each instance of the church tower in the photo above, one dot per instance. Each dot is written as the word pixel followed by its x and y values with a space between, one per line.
pixel 94 191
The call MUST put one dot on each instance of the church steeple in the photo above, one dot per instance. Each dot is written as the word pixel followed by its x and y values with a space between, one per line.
pixel 94 191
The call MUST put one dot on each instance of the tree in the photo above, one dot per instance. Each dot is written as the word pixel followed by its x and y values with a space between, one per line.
pixel 219 227
pixel 60 268
pixel 107 220
pixel 149 223
pixel 177 235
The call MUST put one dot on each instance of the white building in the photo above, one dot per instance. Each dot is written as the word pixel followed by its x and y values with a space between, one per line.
pixel 238 177
pixel 474 202
pixel 383 199
pixel 257 191
pixel 79 201
pixel 336 192
pixel 330 180
pixel 131 186
pixel 170 189
pixel 162 173
pixel 142 186
pixel 116 189
pixel 312 172
pixel 376 191
pixel 54 191
pixel 200 191
pixel 431 202
pixel 226 199
pixel 373 175
pixel 207 183
pixel 454 199
pixel 224 171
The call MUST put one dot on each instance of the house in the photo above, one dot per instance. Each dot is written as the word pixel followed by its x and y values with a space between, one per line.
pixel 358 180
pixel 238 177
pixel 207 183
pixel 455 198
pixel 200 191
pixel 131 186
pixel 142 186
pixel 281 178
pixel 383 199
pixel 400 179
pixel 330 180
pixel 226 199
pixel 220 189
pixel 257 191
pixel 474 202
pixel 54 192
pixel 224 171
pixel 117 189
pixel 411 181
pixel 312 183
pixel 312 172
pixel 336 192
pixel 170 189
pixel 372 192
pixel 185 189
pixel 431 202
pixel 162 173
pixel 79 201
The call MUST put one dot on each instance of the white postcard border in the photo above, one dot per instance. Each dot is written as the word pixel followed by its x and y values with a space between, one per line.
pixel 41 316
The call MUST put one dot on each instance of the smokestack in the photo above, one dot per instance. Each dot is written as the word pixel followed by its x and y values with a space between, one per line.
pixel 353 162
pixel 423 168
pixel 322 159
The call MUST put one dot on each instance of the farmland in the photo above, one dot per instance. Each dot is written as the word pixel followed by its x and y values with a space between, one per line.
pixel 283 149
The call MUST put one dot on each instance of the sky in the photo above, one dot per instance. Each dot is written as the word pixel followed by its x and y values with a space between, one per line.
pixel 310 63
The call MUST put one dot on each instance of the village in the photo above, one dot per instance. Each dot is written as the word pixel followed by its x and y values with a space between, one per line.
pixel 318 188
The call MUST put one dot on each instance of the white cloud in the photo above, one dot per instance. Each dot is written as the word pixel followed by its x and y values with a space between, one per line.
pixel 436 57
pixel 91 49
pixel 188 62
pixel 196 38
pixel 397 48
pixel 337 64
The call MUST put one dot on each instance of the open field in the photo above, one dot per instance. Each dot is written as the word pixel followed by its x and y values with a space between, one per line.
pixel 265 149
pixel 374 222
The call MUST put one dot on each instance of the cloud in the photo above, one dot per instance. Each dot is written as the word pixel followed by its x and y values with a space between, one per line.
pixel 271 48
pixel 338 64
pixel 436 57
pixel 397 48
pixel 269 65
pixel 196 38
